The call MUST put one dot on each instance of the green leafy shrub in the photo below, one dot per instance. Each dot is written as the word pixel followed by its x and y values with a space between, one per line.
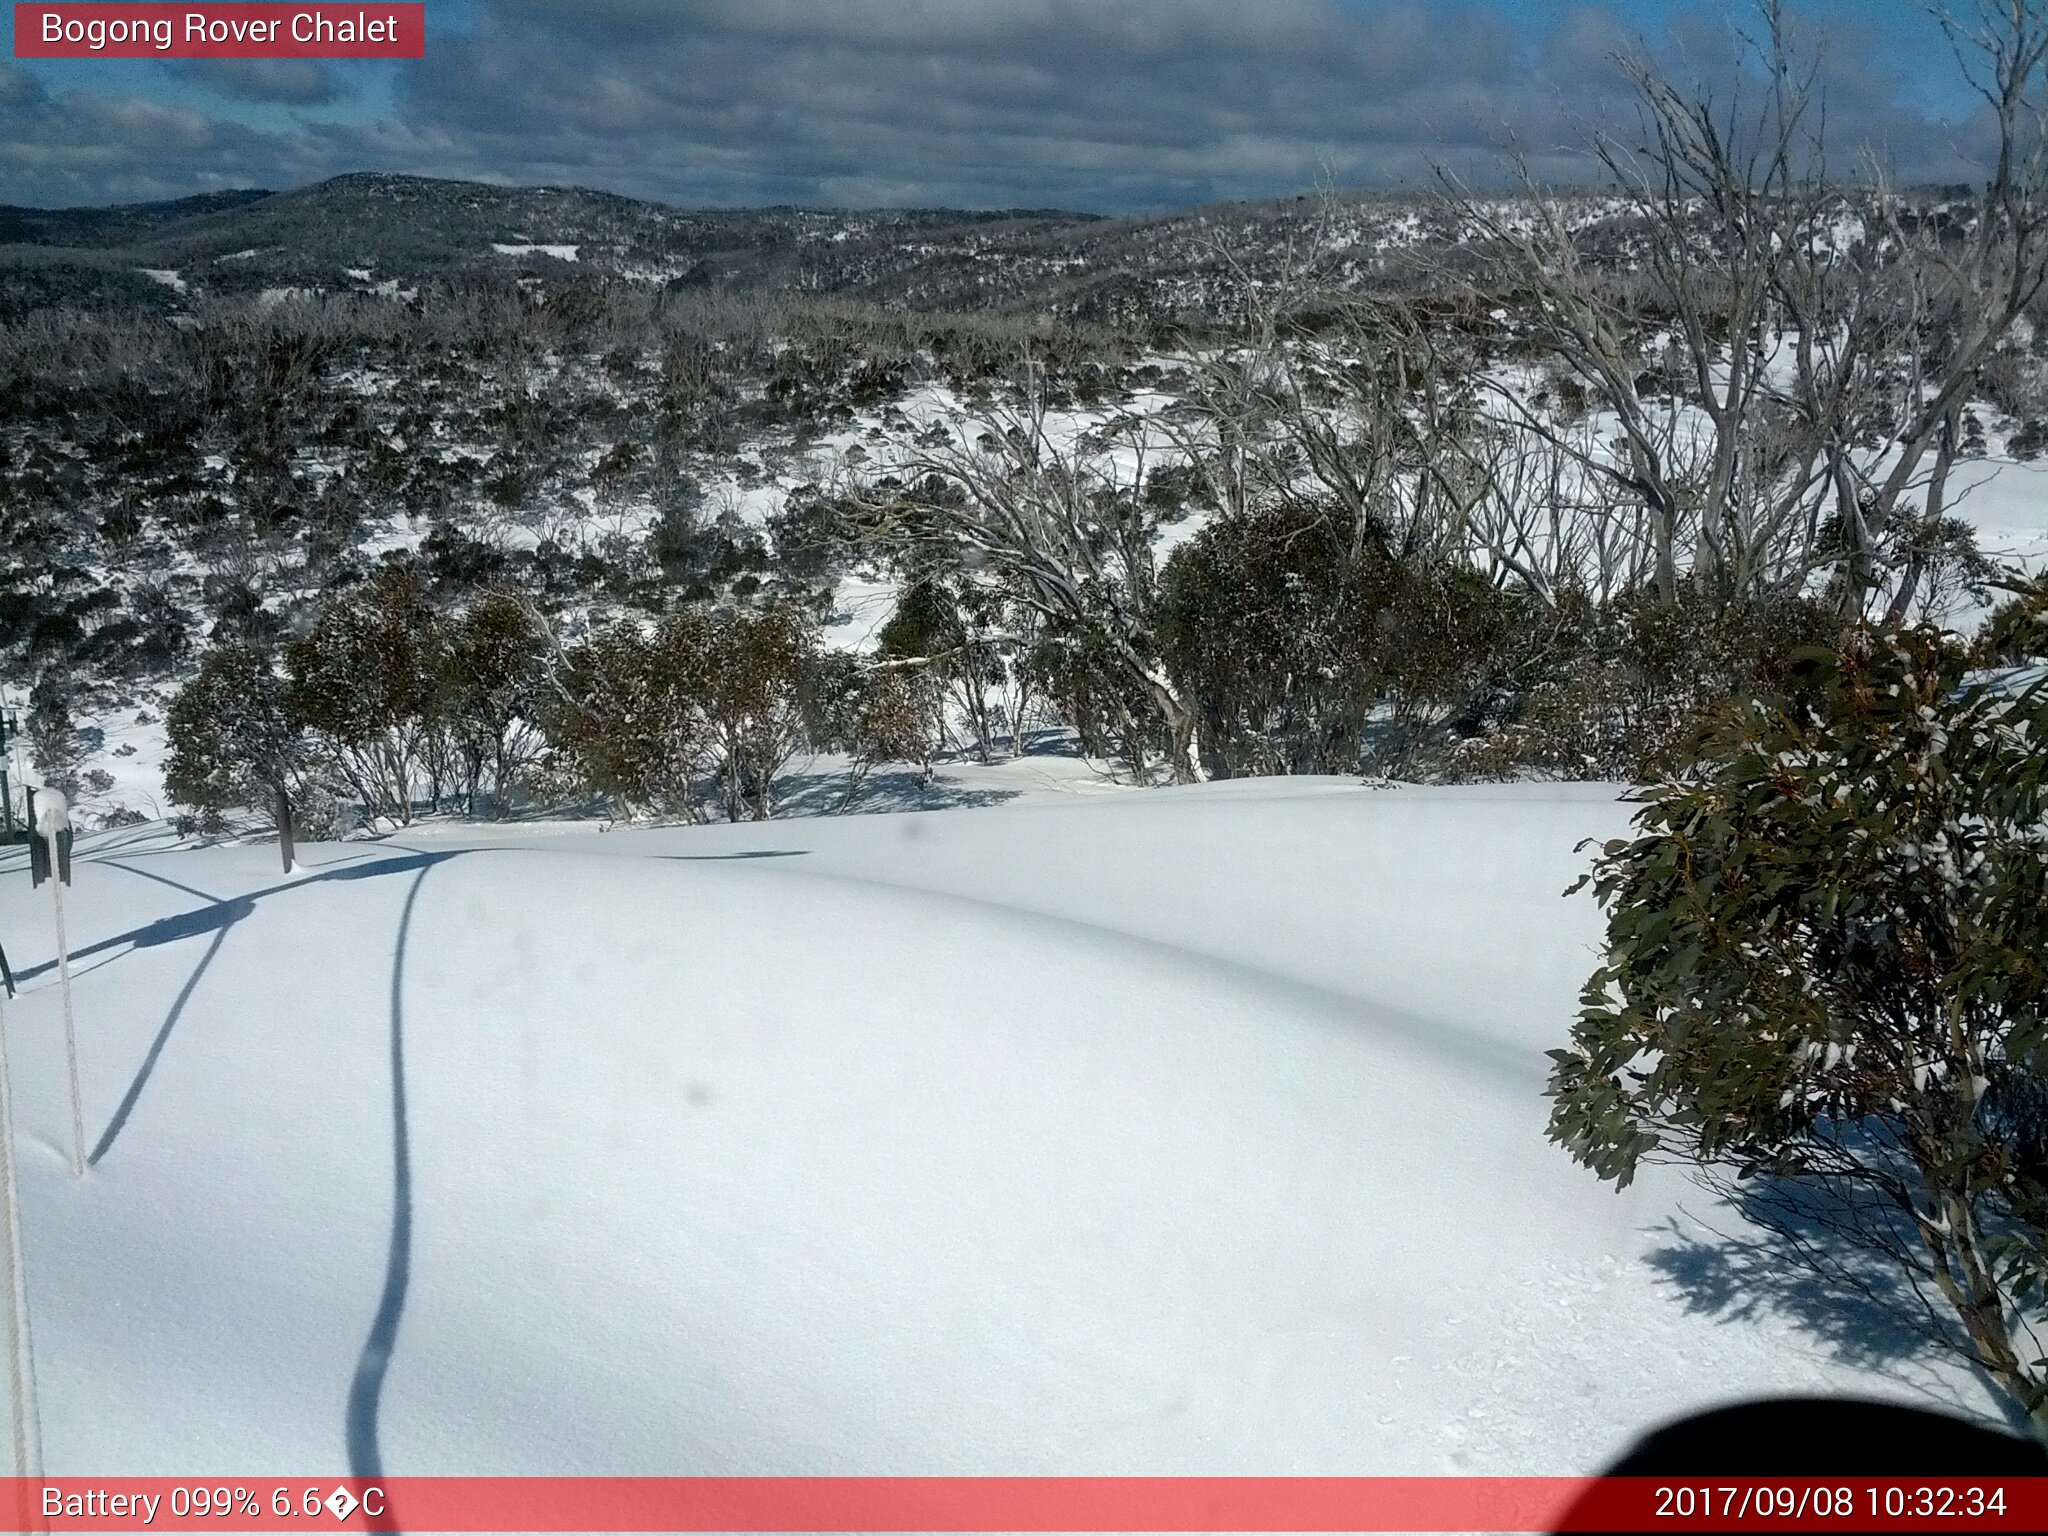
pixel 1826 982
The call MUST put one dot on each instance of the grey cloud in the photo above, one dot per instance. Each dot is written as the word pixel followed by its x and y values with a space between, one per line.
pixel 1151 102
pixel 67 147
pixel 1095 104
pixel 295 82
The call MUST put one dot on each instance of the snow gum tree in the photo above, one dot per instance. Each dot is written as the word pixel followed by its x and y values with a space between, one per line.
pixel 490 678
pixel 873 715
pixel 1054 521
pixel 969 640
pixel 1824 986
pixel 624 711
pixel 1780 387
pixel 753 702
pixel 365 678
pixel 233 743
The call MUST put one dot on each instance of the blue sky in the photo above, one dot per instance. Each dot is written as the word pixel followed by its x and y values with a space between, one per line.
pixel 1111 105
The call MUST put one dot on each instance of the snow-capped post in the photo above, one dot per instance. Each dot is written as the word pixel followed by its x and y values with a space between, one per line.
pixel 53 823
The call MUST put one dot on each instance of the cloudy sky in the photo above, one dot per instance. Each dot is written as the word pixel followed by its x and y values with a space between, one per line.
pixel 1109 105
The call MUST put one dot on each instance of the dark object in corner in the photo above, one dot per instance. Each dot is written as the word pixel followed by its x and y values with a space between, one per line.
pixel 1827 1437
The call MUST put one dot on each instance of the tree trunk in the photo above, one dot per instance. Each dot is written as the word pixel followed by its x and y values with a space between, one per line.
pixel 286 844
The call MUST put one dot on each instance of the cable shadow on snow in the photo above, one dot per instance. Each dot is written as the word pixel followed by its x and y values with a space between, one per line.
pixel 724 858
pixel 366 1391
pixel 145 874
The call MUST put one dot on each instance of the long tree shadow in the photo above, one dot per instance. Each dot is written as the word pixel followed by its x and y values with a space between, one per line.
pixel 887 789
pixel 186 925
pixel 229 913
pixel 366 1391
pixel 1795 1254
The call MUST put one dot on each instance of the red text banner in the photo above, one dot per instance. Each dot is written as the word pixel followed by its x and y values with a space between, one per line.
pixel 1136 1504
pixel 220 31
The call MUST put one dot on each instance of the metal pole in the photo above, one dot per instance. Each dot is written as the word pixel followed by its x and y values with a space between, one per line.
pixel 21 1359
pixel 54 825
pixel 70 1033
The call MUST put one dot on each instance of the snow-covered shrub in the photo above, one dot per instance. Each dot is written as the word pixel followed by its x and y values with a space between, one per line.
pixel 1304 649
pixel 1265 624
pixel 2017 631
pixel 873 715
pixel 486 699
pixel 965 640
pixel 56 744
pixel 1621 689
pixel 758 667
pixel 2029 440
pixel 1826 985
pixel 623 721
pixel 642 714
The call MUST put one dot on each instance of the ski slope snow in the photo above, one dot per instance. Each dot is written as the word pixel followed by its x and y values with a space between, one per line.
pixel 1186 1131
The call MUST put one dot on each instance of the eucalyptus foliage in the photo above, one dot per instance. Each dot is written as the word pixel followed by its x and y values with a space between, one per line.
pixel 1824 984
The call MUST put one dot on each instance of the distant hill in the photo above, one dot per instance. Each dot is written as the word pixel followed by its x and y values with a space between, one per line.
pixel 121 224
pixel 409 227
pixel 369 231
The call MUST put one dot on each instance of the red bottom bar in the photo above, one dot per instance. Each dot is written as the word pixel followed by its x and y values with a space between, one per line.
pixel 792 1504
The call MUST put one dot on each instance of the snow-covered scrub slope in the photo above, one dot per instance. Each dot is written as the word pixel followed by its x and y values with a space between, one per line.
pixel 1196 1131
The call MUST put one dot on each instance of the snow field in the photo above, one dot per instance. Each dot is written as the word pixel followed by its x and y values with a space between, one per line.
pixel 1187 1132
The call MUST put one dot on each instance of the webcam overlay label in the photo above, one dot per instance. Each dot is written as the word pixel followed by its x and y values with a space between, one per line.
pixel 1026 1504
pixel 220 31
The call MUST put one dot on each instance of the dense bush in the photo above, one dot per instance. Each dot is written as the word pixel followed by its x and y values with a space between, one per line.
pixel 2017 631
pixel 1307 647
pixel 1621 689
pixel 873 715
pixel 365 679
pixel 969 643
pixel 1826 985
pixel 486 698
pixel 1266 622
pixel 624 714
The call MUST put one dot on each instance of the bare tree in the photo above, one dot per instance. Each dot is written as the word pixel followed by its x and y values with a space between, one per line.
pixel 1054 517
pixel 1784 386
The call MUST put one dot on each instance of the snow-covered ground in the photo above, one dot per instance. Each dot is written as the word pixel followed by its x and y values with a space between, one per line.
pixel 522 248
pixel 1189 1131
pixel 2005 501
